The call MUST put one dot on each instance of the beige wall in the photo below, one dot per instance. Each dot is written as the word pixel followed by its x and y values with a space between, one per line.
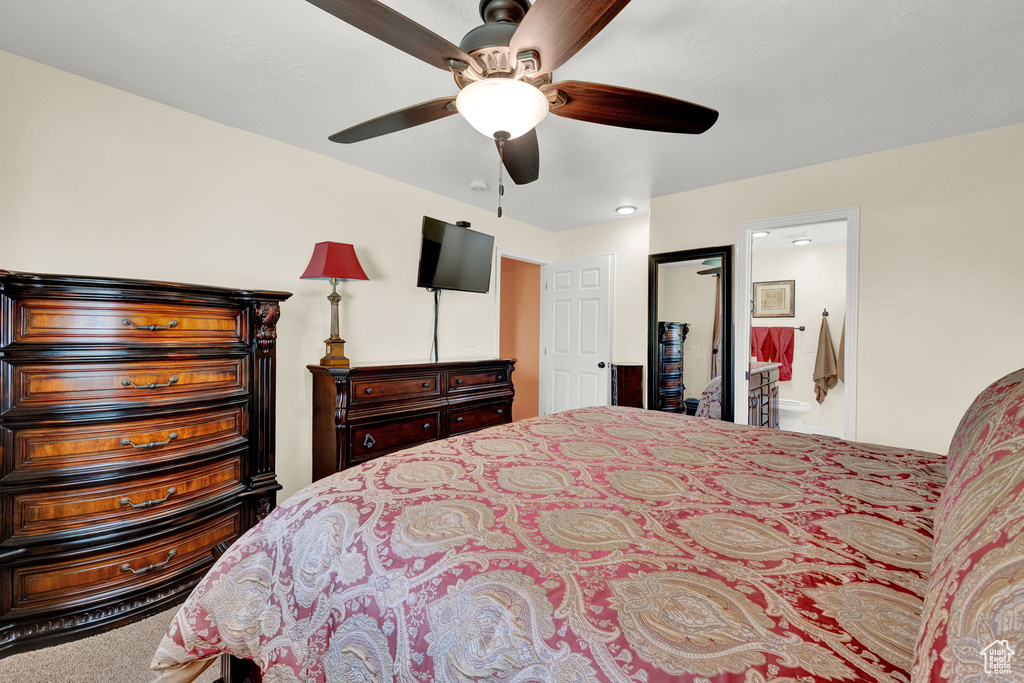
pixel 519 335
pixel 686 297
pixel 97 181
pixel 820 283
pixel 941 312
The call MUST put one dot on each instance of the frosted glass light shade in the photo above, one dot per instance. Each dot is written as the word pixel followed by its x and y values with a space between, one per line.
pixel 495 104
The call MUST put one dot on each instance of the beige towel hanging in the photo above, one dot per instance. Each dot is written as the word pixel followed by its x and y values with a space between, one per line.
pixel 841 356
pixel 824 363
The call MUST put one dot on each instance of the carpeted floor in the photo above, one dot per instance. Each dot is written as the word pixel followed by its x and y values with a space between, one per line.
pixel 118 656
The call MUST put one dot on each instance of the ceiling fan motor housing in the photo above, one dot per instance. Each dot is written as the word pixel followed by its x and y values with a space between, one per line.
pixel 488 44
pixel 513 11
pixel 488 35
pixel 501 19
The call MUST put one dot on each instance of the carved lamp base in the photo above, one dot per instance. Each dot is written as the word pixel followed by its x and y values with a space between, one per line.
pixel 335 357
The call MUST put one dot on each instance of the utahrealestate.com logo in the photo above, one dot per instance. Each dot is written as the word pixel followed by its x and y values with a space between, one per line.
pixel 997 656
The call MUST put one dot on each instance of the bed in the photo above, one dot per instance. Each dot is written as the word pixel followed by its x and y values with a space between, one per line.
pixel 608 544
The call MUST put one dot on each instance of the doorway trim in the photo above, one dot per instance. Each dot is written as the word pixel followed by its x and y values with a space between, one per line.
pixel 500 253
pixel 744 249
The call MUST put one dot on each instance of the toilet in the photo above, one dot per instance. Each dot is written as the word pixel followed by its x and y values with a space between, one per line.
pixel 791 414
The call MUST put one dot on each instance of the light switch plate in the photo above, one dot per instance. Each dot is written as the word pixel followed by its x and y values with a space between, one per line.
pixel 808 348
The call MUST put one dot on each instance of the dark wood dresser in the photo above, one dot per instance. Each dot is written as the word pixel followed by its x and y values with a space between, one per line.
pixel 763 400
pixel 627 385
pixel 136 436
pixel 361 413
pixel 670 366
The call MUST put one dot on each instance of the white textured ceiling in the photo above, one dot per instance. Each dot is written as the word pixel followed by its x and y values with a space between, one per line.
pixel 832 232
pixel 797 82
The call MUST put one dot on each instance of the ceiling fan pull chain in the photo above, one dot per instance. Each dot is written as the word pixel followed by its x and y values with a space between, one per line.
pixel 501 136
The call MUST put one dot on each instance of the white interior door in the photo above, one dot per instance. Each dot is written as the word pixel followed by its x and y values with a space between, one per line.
pixel 578 333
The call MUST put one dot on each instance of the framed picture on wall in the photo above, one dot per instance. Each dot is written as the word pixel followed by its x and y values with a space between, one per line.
pixel 775 299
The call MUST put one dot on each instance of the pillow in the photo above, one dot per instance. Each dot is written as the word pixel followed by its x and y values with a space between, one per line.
pixel 973 619
pixel 710 404
pixel 977 417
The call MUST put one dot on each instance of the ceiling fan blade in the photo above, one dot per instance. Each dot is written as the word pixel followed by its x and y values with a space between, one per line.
pixel 522 158
pixel 416 115
pixel 627 108
pixel 557 29
pixel 395 29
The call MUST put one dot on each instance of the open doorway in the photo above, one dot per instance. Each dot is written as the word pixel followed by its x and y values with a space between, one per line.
pixel 519 279
pixel 798 290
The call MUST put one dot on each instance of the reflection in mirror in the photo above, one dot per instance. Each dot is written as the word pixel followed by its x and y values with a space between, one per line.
pixel 690 321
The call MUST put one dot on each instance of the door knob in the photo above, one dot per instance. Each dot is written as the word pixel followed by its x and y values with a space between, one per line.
pixel 601 364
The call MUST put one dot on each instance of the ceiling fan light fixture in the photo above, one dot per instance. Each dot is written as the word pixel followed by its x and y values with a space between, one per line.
pixel 502 104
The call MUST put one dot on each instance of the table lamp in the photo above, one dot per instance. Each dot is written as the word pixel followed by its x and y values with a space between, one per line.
pixel 334 262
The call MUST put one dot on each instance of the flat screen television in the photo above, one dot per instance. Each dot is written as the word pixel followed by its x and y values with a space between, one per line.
pixel 454 257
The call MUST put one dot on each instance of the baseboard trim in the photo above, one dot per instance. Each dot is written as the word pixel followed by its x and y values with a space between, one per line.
pixel 823 431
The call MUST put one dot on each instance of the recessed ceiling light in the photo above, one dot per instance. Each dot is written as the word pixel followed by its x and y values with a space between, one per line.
pixel 802 241
pixel 759 233
pixel 625 210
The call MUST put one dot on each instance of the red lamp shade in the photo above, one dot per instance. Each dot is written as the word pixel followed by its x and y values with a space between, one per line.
pixel 334 260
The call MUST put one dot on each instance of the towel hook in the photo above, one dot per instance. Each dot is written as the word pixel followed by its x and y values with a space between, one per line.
pixel 824 313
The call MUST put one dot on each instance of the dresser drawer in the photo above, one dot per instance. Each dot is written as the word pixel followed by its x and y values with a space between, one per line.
pixel 671 403
pixel 116 572
pixel 670 334
pixel 130 383
pixel 671 382
pixel 367 390
pixel 477 417
pixel 93 509
pixel 369 441
pixel 671 353
pixel 74 450
pixel 458 381
pixel 79 321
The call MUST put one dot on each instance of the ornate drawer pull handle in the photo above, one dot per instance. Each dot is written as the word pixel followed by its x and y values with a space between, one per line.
pixel 152 444
pixel 369 441
pixel 369 390
pixel 501 411
pixel 458 419
pixel 458 381
pixel 159 565
pixel 426 385
pixel 151 385
pixel 149 503
pixel 152 328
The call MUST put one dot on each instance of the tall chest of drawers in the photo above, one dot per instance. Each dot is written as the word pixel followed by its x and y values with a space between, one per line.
pixel 136 437
pixel 362 413
pixel 671 337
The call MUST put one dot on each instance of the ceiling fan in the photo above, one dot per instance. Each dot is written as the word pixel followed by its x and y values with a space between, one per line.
pixel 504 72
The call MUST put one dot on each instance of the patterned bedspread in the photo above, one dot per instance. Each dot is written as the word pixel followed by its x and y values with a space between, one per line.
pixel 602 544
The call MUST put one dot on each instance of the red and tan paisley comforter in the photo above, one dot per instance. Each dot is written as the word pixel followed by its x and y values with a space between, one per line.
pixel 602 544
